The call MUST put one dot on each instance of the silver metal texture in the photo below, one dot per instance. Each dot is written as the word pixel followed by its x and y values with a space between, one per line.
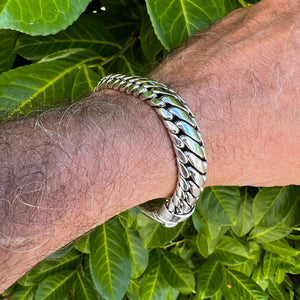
pixel 187 142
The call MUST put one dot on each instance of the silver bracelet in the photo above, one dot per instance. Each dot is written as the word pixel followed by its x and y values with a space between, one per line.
pixel 185 136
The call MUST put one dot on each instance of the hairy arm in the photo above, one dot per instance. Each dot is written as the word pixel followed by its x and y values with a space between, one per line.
pixel 73 168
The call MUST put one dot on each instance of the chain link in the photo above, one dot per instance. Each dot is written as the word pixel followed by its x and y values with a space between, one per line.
pixel 187 142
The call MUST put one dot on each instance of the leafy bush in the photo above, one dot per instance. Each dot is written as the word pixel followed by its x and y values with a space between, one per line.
pixel 241 243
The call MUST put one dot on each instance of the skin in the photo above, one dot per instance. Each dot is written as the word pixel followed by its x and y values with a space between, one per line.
pixel 71 169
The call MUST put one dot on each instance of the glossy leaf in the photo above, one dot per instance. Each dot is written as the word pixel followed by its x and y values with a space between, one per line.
pixel 24 293
pixel 83 243
pixel 49 266
pixel 43 84
pixel 7 44
pixel 56 286
pixel 244 221
pixel 139 255
pixel 230 251
pixel 277 291
pixel 87 33
pixel 154 286
pixel 209 279
pixel 258 277
pixel 220 204
pixel 245 287
pixel 176 20
pixel 269 265
pixel 245 268
pixel 272 206
pixel 177 272
pixel 280 247
pixel 40 17
pixel 154 234
pixel 109 260
pixel 85 289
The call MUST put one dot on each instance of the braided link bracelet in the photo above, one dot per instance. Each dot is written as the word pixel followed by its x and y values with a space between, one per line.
pixel 185 136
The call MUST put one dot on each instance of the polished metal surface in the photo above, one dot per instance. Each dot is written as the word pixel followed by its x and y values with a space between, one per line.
pixel 185 136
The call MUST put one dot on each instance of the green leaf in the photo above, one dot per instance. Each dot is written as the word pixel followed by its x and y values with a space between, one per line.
pixel 114 5
pixel 139 255
pixel 24 293
pixel 277 291
pixel 56 286
pixel 43 84
pixel 40 17
pixel 83 243
pixel 272 205
pixel 7 44
pixel 85 289
pixel 269 234
pixel 245 268
pixel 258 277
pixel 220 204
pixel 244 221
pixel 230 251
pixel 280 247
pixel 290 264
pixel 154 234
pixel 128 218
pixel 109 260
pixel 49 266
pixel 154 285
pixel 133 290
pixel 208 236
pixel 245 287
pixel 269 265
pixel 176 20
pixel 209 279
pixel 177 272
pixel 87 33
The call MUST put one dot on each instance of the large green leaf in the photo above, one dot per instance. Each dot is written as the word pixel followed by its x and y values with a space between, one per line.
pixel 177 272
pixel 230 251
pixel 40 17
pixel 209 278
pixel 277 291
pixel 24 293
pixel 280 247
pixel 154 234
pixel 272 205
pixel 245 287
pixel 290 264
pixel 85 289
pixel 109 260
pixel 87 32
pixel 258 277
pixel 7 44
pixel 220 204
pixel 56 286
pixel 269 265
pixel 138 253
pixel 49 266
pixel 154 286
pixel 43 84
pixel 244 221
pixel 176 20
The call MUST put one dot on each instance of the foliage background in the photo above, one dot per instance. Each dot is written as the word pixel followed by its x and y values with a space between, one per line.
pixel 241 243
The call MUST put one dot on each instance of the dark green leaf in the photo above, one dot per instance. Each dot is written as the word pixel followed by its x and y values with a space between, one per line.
pixel 154 234
pixel 273 205
pixel 43 84
pixel 245 287
pixel 209 278
pixel 269 265
pixel 24 293
pixel 56 286
pixel 49 266
pixel 280 247
pixel 245 268
pixel 177 272
pixel 220 204
pixel 40 17
pixel 290 264
pixel 85 289
pixel 244 221
pixel 176 20
pixel 138 253
pixel 230 251
pixel 7 44
pixel 114 5
pixel 154 286
pixel 277 291
pixel 87 33
pixel 109 260
pixel 269 234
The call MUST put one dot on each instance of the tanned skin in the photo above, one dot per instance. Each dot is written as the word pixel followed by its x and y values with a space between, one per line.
pixel 71 169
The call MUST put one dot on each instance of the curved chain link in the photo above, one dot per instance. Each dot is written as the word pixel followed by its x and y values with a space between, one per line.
pixel 185 136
